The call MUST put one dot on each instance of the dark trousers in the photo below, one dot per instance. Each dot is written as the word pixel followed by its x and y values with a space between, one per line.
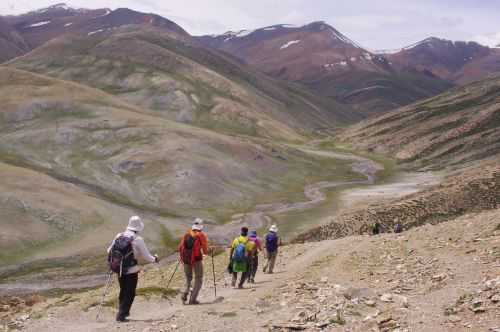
pixel 243 278
pixel 253 266
pixel 128 284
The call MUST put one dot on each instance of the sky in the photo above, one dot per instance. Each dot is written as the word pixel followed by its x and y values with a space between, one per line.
pixel 375 24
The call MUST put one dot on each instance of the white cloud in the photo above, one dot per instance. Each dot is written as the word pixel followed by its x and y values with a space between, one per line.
pixel 491 40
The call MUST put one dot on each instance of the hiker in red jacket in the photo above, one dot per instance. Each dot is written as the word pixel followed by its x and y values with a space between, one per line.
pixel 192 248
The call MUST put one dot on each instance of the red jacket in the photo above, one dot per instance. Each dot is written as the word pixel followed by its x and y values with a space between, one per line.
pixel 203 241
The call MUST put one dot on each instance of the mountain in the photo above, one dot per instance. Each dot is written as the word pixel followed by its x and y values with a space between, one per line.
pixel 38 27
pixel 323 59
pixel 449 130
pixel 455 61
pixel 177 78
pixel 297 53
pixel 12 44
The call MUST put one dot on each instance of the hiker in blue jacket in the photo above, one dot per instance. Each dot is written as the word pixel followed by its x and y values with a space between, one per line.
pixel 271 244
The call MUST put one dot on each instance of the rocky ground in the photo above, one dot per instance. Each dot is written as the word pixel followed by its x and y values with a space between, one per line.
pixel 433 277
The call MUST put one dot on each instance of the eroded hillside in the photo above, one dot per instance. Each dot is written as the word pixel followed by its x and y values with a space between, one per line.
pixel 452 129
pixel 183 81
pixel 87 143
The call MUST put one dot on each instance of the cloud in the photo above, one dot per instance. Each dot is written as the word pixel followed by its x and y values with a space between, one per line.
pixel 491 40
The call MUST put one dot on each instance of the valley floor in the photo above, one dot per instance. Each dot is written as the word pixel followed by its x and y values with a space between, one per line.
pixel 435 277
pixel 292 217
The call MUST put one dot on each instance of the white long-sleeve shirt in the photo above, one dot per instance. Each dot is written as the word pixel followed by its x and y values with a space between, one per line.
pixel 141 252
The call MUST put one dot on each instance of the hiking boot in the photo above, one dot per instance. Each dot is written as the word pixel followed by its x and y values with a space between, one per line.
pixel 184 298
pixel 194 302
pixel 121 319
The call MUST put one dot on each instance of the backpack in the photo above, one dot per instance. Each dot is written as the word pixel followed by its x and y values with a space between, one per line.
pixel 121 255
pixel 239 253
pixel 190 250
pixel 271 242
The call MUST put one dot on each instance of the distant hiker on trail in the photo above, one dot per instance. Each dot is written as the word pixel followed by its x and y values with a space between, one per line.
pixel 239 255
pixel 192 248
pixel 375 228
pixel 271 243
pixel 123 253
pixel 254 256
pixel 398 228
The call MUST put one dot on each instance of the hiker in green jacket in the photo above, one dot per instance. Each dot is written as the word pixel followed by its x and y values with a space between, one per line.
pixel 241 248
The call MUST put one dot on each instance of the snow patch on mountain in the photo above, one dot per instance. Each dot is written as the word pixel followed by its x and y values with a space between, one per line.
pixel 336 64
pixel 38 24
pixel 393 51
pixel 290 43
pixel 94 32
pixel 338 36
pixel 108 11
pixel 61 6
pixel 239 34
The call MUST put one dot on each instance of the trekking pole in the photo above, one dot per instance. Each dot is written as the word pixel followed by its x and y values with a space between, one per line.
pixel 213 272
pixel 108 283
pixel 175 270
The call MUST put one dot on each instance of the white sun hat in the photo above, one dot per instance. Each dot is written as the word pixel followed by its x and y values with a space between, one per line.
pixel 197 224
pixel 273 229
pixel 135 224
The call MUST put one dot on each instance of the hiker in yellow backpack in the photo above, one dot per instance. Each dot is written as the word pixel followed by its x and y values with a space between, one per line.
pixel 241 249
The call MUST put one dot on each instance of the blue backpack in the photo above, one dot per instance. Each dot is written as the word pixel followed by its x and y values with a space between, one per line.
pixel 271 242
pixel 239 254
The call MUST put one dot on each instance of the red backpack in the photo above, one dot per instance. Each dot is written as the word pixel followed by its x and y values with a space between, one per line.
pixel 191 249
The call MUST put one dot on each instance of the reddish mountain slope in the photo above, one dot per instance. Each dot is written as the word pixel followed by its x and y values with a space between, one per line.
pixel 297 53
pixel 322 58
pixel 38 27
pixel 458 62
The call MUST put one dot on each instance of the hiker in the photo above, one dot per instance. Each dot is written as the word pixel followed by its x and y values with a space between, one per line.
pixel 192 248
pixel 398 228
pixel 271 244
pixel 240 252
pixel 254 256
pixel 375 228
pixel 124 252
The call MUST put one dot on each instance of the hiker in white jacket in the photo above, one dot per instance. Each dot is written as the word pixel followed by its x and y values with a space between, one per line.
pixel 128 279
